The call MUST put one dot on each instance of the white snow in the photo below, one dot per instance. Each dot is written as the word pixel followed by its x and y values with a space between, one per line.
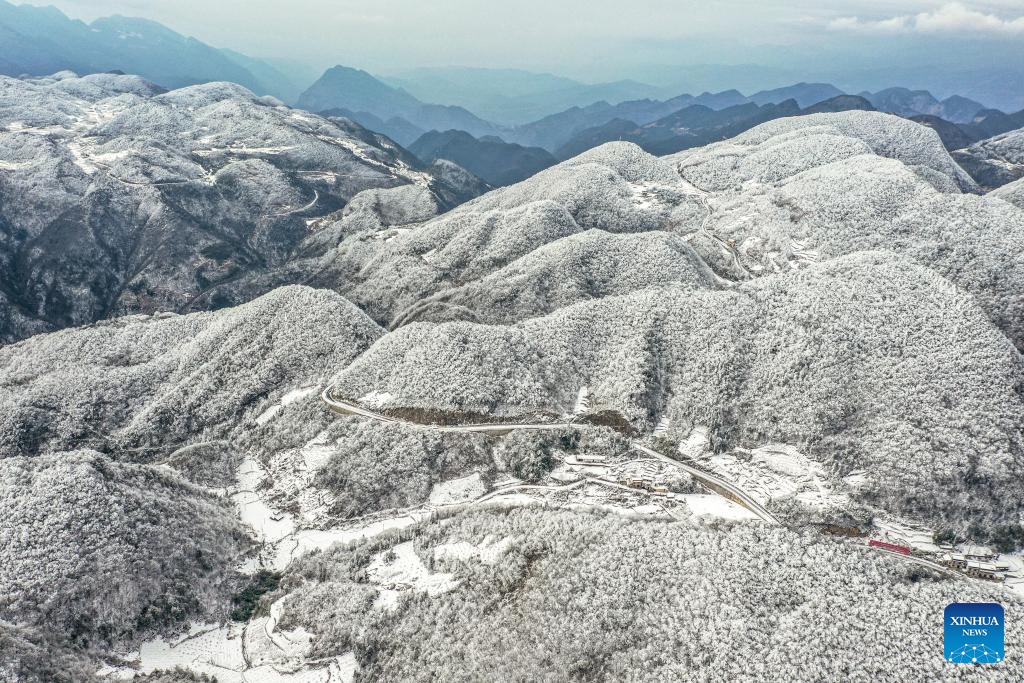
pixel 306 540
pixel 236 653
pixel 268 414
pixel 663 424
pixel 695 444
pixel 376 399
pixel 777 471
pixel 712 505
pixel 487 551
pixel 917 537
pixel 270 525
pixel 786 459
pixel 296 394
pixel 404 573
pixel 1015 577
pixel 856 479
pixel 289 398
pixel 582 402
pixel 460 490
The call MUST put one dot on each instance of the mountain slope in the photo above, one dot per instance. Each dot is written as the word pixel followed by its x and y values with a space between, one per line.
pixel 493 161
pixel 556 130
pixel 814 609
pixel 698 125
pixel 771 190
pixel 358 92
pixel 512 97
pixel 775 346
pixel 763 202
pixel 805 94
pixel 994 161
pixel 787 208
pixel 822 294
pixel 130 549
pixel 953 137
pixel 39 41
pixel 1011 192
pixel 905 102
pixel 141 388
pixel 115 198
pixel 837 104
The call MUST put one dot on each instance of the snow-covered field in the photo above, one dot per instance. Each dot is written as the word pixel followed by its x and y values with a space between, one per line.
pixel 252 653
pixel 285 535
pixel 400 569
pixel 695 444
pixel 713 505
pixel 487 551
pixel 777 471
pixel 461 490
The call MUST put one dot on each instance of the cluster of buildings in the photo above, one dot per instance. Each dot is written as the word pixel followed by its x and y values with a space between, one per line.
pixel 975 560
pixel 647 482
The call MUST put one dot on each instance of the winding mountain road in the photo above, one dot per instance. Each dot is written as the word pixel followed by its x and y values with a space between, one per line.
pixel 721 486
pixel 724 488
pixel 703 230
pixel 344 407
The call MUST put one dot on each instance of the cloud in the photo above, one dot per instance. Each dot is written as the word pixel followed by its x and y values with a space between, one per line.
pixel 950 18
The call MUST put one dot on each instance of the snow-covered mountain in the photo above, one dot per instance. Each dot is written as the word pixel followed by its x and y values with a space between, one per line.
pixel 116 197
pixel 807 334
pixel 995 161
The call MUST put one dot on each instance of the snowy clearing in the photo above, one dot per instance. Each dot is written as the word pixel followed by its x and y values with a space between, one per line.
pixel 487 551
pixel 237 653
pixel 713 505
pixel 460 490
pixel 401 569
pixel 376 399
pixel 778 471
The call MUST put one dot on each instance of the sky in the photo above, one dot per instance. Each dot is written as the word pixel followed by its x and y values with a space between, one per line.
pixel 589 39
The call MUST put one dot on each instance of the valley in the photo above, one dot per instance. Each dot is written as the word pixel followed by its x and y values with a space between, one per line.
pixel 281 401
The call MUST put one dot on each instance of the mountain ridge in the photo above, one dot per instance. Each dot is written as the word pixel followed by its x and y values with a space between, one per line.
pixel 42 41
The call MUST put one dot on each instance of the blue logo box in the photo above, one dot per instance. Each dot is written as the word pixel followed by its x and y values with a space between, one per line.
pixel 974 633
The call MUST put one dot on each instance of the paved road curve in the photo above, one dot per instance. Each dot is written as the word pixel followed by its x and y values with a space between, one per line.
pixel 725 488
pixel 722 486
pixel 734 492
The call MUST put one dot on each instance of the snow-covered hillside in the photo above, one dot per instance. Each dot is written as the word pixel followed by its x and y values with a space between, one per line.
pixel 833 358
pixel 117 198
pixel 100 551
pixel 1011 192
pixel 995 161
pixel 142 387
pixel 778 197
pixel 711 378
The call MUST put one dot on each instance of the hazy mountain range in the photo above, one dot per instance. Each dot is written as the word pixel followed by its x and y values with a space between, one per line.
pixel 510 97
pixel 402 116
pixel 39 41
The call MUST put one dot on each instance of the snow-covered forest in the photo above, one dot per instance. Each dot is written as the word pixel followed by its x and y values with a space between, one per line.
pixel 279 404
pixel 578 597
